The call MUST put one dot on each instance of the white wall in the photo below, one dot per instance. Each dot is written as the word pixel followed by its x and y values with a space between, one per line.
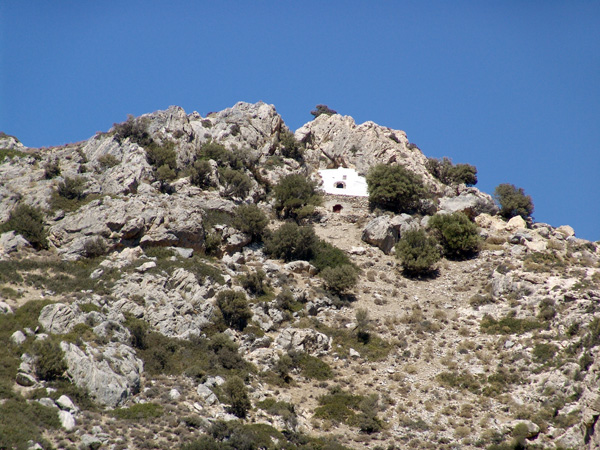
pixel 355 184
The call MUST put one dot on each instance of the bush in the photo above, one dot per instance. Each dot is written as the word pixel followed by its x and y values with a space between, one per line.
pixel 251 220
pixel 94 247
pixel 327 255
pixel 236 182
pixel 234 307
pixel 292 242
pixel 417 252
pixel 107 161
pixel 51 170
pixel 394 188
pixel 135 130
pixel 339 279
pixel 290 147
pixel 295 197
pixel 457 234
pixel 237 395
pixel 254 282
pixel 200 173
pixel 71 188
pixel 27 221
pixel 164 160
pixel 50 362
pixel 322 109
pixel 513 201
pixel 219 154
pixel 139 411
pixel 448 173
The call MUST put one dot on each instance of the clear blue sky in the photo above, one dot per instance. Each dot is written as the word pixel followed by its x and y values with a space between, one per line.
pixel 512 87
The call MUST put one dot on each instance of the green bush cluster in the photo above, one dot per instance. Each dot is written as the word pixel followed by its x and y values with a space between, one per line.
pixel 295 197
pixel 394 188
pixel 94 247
pixel 237 397
pixel 417 252
pixel 163 159
pixel 513 201
pixel 457 234
pixel 134 129
pixel 139 411
pixel 509 325
pixel 448 173
pixel 322 109
pixel 51 170
pixel 235 309
pixel 339 279
pixel 27 221
pixel 200 172
pixel 107 161
pixel 71 188
pixel 290 147
pixel 22 422
pixel 236 183
pixel 255 282
pixel 251 220
pixel 353 410
pixel 50 362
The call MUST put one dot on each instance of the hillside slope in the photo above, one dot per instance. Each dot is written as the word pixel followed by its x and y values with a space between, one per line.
pixel 144 312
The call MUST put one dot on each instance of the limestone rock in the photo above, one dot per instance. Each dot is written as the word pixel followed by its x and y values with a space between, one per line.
pixel 301 267
pixel 384 232
pixel 67 420
pixel 5 308
pixel 471 200
pixel 66 403
pixel 342 143
pixel 11 242
pixel 110 374
pixel 207 395
pixel 303 340
pixel 18 337
pixel 59 318
pixel 25 379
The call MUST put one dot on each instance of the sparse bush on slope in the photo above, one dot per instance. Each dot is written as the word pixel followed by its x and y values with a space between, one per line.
pixel 234 307
pixel 417 252
pixel 448 173
pixel 27 221
pixel 295 197
pixel 394 188
pixel 457 234
pixel 251 220
pixel 513 201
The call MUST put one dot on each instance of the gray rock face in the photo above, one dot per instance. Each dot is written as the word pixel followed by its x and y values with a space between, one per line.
pixel 59 318
pixel 144 219
pixel 207 394
pixel 11 242
pixel 343 143
pixel 303 340
pixel 67 420
pixel 384 232
pixel 110 374
pixel 470 200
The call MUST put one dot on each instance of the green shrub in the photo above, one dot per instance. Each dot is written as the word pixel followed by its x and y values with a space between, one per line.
pixel 94 247
pixel 251 220
pixel 310 366
pixel 139 411
pixel 449 173
pixel 290 147
pixel 322 109
pixel 134 129
pixel 237 183
pixel 394 188
pixel 10 153
pixel 339 279
pixel 219 154
pixel 71 188
pixel 50 362
pixel 457 234
pixel 234 307
pixel 22 422
pixel 291 242
pixel 51 170
pixel 417 252
pixel 513 201
pixel 363 326
pixel 295 197
pixel 254 282
pixel 107 161
pixel 508 325
pixel 200 173
pixel 163 155
pixel 544 353
pixel 327 255
pixel 237 395
pixel 27 221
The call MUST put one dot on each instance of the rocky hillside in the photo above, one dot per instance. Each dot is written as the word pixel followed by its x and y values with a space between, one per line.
pixel 176 283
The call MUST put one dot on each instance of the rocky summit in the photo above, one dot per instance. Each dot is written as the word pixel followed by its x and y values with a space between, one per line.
pixel 190 282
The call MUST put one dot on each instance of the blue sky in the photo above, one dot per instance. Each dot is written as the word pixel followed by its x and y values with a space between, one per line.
pixel 512 87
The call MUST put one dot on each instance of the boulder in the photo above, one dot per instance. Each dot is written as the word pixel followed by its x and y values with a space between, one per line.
pixel 384 232
pixel 67 420
pixel 25 379
pixel 516 223
pixel 110 373
pixel 304 340
pixel 5 308
pixel 67 404
pixel 207 395
pixel 59 318
pixel 471 201
pixel 18 337
pixel 11 242
pixel 301 267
